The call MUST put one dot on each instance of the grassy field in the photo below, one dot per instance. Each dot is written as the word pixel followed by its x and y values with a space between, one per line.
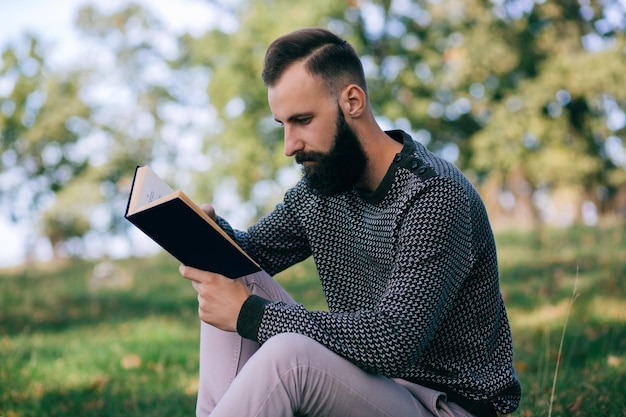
pixel 121 339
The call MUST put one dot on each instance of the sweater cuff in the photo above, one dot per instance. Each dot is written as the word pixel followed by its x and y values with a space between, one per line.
pixel 250 316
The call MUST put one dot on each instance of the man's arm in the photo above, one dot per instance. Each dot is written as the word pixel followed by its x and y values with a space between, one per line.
pixel 277 241
pixel 433 258
pixel 220 298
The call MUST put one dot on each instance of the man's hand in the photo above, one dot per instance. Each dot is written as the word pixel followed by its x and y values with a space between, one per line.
pixel 219 298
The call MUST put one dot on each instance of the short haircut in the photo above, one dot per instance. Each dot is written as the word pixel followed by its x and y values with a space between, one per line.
pixel 324 54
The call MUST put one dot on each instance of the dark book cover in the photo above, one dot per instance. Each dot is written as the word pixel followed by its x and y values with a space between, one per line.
pixel 182 232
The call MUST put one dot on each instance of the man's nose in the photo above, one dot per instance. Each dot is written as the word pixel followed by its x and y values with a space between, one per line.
pixel 292 143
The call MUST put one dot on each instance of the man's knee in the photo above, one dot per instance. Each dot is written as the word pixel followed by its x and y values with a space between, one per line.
pixel 289 343
pixel 289 349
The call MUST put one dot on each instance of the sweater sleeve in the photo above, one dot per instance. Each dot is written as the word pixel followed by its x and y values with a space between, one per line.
pixel 250 316
pixel 277 241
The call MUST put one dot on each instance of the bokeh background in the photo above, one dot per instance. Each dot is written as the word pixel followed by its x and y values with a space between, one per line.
pixel 527 97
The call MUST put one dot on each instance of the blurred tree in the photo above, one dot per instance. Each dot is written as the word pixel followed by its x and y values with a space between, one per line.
pixel 549 130
pixel 526 97
pixel 514 92
pixel 126 82
pixel 41 122
pixel 70 139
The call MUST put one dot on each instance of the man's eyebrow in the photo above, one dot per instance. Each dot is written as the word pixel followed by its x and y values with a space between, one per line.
pixel 295 117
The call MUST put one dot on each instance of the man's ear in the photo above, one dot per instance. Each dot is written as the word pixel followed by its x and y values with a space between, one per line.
pixel 353 101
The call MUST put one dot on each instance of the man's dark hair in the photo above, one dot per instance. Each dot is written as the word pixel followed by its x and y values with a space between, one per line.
pixel 325 55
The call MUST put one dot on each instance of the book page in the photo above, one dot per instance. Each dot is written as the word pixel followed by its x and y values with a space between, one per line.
pixel 151 188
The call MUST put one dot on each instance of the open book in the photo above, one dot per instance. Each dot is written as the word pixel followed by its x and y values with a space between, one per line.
pixel 180 227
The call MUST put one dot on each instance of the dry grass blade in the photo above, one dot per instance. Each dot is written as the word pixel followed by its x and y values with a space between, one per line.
pixel 558 358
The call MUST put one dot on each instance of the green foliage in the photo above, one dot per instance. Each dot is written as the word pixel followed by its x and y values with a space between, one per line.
pixel 121 338
pixel 510 85
pixel 93 341
pixel 40 115
pixel 510 91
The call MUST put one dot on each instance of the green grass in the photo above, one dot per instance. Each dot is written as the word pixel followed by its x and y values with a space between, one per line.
pixel 538 282
pixel 127 344
pixel 74 347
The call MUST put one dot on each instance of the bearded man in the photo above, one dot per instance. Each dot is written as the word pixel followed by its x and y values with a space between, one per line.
pixel 416 324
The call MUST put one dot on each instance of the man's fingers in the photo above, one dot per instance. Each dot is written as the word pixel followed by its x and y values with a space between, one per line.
pixel 183 270
pixel 190 273
pixel 198 275
pixel 209 210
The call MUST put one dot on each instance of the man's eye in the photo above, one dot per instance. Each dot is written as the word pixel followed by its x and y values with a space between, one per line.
pixel 304 120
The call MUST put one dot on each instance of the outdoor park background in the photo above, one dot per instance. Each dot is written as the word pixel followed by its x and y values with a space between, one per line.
pixel 527 98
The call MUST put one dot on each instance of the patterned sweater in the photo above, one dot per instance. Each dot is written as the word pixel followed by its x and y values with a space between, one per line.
pixel 409 273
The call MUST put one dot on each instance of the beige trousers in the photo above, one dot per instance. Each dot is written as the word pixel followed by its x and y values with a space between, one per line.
pixel 293 375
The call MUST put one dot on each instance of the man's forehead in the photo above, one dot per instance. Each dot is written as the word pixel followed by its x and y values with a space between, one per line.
pixel 296 76
pixel 296 92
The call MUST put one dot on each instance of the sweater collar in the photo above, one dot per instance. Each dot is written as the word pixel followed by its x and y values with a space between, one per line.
pixel 408 148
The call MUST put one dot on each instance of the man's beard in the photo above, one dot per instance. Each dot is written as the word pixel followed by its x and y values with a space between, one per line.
pixel 338 170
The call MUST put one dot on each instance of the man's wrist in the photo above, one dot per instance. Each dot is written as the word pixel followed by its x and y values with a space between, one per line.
pixel 250 316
